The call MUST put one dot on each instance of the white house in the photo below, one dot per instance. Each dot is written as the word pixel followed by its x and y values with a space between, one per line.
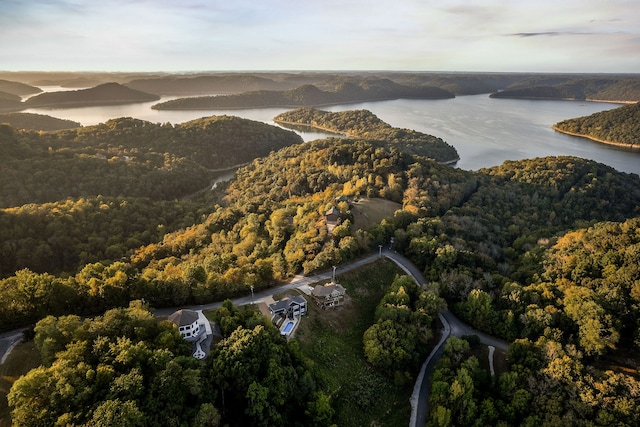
pixel 188 323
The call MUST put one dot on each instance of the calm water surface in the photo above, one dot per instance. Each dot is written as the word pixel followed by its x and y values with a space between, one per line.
pixel 485 131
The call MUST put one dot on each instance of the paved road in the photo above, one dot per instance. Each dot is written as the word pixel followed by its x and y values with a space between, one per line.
pixel 419 399
pixel 451 326
pixel 8 340
pixel 296 282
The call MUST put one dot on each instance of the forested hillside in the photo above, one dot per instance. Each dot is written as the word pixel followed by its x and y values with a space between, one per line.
pixel 364 124
pixel 620 126
pixel 64 236
pixel 129 157
pixel 540 252
pixel 30 121
pixel 575 328
pixel 17 88
pixel 308 95
pixel 126 368
pixel 602 88
pixel 207 84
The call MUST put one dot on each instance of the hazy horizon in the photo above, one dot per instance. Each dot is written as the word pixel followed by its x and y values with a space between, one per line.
pixel 192 36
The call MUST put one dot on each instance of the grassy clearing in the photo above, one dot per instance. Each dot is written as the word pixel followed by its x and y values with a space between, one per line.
pixel 333 340
pixel 369 212
pixel 22 359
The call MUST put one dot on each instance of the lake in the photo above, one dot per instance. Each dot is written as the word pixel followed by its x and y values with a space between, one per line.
pixel 485 131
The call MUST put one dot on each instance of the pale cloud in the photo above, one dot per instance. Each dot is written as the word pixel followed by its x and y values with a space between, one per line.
pixel 483 35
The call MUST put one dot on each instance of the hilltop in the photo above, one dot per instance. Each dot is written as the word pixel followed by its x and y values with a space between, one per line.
pixel 10 102
pixel 104 94
pixel 30 121
pixel 17 88
pixel 129 158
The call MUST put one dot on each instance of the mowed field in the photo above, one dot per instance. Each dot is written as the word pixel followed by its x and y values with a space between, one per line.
pixel 369 212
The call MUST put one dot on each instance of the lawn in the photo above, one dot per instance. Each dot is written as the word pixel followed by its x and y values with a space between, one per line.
pixel 22 359
pixel 333 340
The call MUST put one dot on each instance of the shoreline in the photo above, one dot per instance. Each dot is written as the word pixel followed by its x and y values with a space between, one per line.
pixel 544 98
pixel 284 122
pixel 630 147
pixel 326 104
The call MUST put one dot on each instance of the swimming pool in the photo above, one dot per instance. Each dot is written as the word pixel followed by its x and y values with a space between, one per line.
pixel 287 328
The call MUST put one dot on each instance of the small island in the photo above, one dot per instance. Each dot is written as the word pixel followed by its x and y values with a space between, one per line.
pixel 619 127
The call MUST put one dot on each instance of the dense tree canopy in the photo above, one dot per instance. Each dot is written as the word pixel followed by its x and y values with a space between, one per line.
pixel 129 368
pixel 619 126
pixel 129 157
pixel 405 317
pixel 364 124
pixel 539 252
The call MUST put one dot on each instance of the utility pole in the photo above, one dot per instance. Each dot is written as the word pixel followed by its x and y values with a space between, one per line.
pixel 334 274
pixel 380 253
pixel 252 295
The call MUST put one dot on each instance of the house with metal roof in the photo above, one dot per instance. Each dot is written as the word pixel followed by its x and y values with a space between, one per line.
pixel 330 295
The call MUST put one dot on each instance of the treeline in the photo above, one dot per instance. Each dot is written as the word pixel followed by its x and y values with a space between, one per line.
pixel 214 84
pixel 30 121
pixel 129 158
pixel 127 368
pixel 308 95
pixel 226 83
pixel 602 88
pixel 618 126
pixel 364 124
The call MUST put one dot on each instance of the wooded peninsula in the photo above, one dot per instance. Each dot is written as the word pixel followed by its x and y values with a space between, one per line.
pixel 620 126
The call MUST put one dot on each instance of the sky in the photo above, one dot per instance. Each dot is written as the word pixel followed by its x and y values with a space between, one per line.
pixel 599 36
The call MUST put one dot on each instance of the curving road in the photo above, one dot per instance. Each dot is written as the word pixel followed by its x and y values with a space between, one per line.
pixel 451 326
pixel 8 340
pixel 419 399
